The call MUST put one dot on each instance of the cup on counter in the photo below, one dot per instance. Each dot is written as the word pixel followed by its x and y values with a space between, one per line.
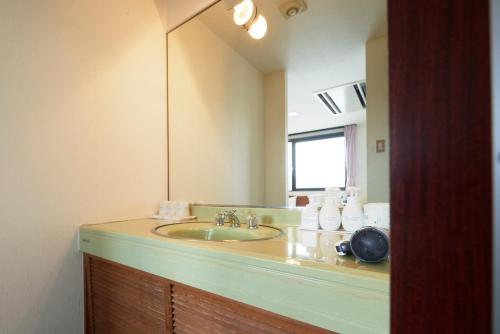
pixel 181 209
pixel 165 209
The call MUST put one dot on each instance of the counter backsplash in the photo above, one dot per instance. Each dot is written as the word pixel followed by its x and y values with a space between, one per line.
pixel 288 216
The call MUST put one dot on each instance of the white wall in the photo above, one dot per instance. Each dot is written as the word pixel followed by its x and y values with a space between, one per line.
pixel 216 135
pixel 361 162
pixel 377 119
pixel 275 138
pixel 82 140
pixel 495 18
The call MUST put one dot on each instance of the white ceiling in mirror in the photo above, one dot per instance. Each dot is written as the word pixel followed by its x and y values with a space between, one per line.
pixel 336 30
pixel 329 27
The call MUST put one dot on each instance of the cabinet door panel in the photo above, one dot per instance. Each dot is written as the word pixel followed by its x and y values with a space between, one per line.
pixel 124 300
pixel 196 311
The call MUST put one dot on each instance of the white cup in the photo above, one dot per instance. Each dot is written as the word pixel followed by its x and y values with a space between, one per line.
pixel 165 209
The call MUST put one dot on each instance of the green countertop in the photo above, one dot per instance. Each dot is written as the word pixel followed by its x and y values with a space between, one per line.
pixel 298 275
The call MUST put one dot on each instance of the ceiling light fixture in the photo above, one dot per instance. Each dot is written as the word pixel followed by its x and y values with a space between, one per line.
pixel 258 28
pixel 245 15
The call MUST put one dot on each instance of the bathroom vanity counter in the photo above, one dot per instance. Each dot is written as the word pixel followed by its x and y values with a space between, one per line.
pixel 297 275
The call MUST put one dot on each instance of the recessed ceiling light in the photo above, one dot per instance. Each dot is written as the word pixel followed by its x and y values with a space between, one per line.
pixel 292 114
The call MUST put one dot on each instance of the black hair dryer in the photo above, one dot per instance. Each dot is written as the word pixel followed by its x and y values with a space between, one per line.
pixel 368 244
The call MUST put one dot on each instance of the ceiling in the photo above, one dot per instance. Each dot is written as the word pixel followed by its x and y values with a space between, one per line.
pixel 321 48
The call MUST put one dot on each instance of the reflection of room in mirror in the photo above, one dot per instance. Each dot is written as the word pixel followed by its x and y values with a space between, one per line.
pixel 277 119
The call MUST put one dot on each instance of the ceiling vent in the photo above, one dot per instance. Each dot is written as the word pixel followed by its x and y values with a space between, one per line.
pixel 291 8
pixel 344 99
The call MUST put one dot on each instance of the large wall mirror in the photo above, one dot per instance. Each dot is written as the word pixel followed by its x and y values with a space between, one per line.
pixel 305 107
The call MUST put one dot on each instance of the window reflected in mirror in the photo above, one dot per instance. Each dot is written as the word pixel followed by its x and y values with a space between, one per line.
pixel 317 161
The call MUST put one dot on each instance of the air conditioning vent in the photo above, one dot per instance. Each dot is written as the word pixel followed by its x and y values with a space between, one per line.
pixel 345 98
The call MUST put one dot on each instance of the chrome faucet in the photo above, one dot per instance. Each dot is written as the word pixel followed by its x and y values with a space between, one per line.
pixel 231 218
pixel 219 219
pixel 252 221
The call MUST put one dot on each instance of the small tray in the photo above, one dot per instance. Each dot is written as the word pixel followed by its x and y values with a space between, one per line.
pixel 176 219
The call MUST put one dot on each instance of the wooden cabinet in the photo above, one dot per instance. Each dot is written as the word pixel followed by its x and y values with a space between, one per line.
pixel 122 300
pixel 119 299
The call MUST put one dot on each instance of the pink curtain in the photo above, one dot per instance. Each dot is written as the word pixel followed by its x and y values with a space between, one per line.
pixel 350 143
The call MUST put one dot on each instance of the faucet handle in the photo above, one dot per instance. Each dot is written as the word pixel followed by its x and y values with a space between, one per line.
pixel 231 218
pixel 219 219
pixel 229 212
pixel 252 221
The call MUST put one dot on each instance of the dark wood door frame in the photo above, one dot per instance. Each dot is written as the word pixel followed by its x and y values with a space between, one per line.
pixel 495 18
pixel 441 169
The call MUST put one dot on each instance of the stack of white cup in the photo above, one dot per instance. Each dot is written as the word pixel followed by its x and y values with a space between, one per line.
pixel 173 210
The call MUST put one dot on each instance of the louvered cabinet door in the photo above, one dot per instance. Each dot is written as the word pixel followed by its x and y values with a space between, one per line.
pixel 198 312
pixel 123 300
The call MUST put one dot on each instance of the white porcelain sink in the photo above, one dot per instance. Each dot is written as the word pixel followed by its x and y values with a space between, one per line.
pixel 206 231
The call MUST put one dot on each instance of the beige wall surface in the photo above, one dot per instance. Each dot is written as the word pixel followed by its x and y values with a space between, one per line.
pixel 377 119
pixel 82 140
pixel 275 138
pixel 181 10
pixel 216 120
